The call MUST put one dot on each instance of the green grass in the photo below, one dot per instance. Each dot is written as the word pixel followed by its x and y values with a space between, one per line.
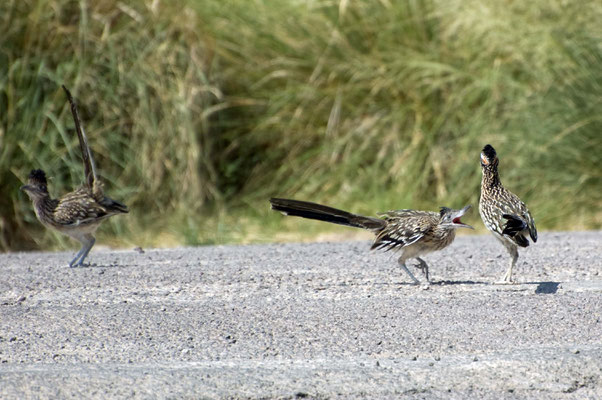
pixel 197 114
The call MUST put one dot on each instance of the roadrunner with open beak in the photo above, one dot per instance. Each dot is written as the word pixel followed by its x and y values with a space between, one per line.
pixel 412 232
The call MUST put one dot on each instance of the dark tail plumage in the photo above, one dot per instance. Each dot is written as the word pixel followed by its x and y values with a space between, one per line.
pixel 90 179
pixel 114 205
pixel 306 209
pixel 89 168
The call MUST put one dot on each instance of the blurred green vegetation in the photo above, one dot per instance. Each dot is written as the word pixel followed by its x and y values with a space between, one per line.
pixel 197 112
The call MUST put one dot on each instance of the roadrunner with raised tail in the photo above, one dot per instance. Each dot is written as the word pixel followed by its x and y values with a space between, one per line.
pixel 77 214
pixel 412 232
pixel 502 212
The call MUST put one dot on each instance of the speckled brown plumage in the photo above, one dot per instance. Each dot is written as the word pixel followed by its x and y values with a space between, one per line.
pixel 410 227
pixel 502 212
pixel 412 232
pixel 79 213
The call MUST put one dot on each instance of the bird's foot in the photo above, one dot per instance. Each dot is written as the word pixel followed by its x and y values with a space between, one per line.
pixel 81 264
pixel 423 266
pixel 425 271
pixel 506 281
pixel 76 262
pixel 87 265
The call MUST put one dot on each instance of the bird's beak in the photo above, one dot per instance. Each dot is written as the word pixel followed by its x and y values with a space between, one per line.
pixel 484 160
pixel 25 188
pixel 456 218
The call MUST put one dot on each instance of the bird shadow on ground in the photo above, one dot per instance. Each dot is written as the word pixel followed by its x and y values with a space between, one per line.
pixel 542 287
pixel 465 282
pixel 95 265
pixel 545 287
pixel 431 283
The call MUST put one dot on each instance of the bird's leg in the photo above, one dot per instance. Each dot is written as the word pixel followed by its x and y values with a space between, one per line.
pixel 402 263
pixel 87 243
pixel 91 242
pixel 513 250
pixel 423 266
pixel 77 256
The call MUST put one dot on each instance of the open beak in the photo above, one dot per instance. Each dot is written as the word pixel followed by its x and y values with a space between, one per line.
pixel 458 214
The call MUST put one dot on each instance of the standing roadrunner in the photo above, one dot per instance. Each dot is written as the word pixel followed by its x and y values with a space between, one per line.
pixel 79 213
pixel 413 232
pixel 502 212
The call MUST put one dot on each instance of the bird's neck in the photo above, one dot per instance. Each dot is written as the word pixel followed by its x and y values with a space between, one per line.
pixel 445 235
pixel 490 179
pixel 44 205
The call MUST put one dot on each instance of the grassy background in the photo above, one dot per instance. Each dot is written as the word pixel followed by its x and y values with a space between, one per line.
pixel 199 111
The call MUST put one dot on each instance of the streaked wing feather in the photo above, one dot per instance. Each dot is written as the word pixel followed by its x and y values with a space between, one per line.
pixel 404 228
pixel 77 208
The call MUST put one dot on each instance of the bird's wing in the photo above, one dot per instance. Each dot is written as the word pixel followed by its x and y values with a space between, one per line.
pixel 514 228
pixel 404 213
pixel 514 224
pixel 79 208
pixel 404 227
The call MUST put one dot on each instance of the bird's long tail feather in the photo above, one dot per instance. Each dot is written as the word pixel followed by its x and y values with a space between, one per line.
pixel 306 209
pixel 89 168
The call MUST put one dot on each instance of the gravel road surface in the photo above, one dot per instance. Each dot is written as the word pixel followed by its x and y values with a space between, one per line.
pixel 320 320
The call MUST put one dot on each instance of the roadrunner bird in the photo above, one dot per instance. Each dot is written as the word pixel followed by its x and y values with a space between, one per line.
pixel 79 213
pixel 412 232
pixel 502 212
